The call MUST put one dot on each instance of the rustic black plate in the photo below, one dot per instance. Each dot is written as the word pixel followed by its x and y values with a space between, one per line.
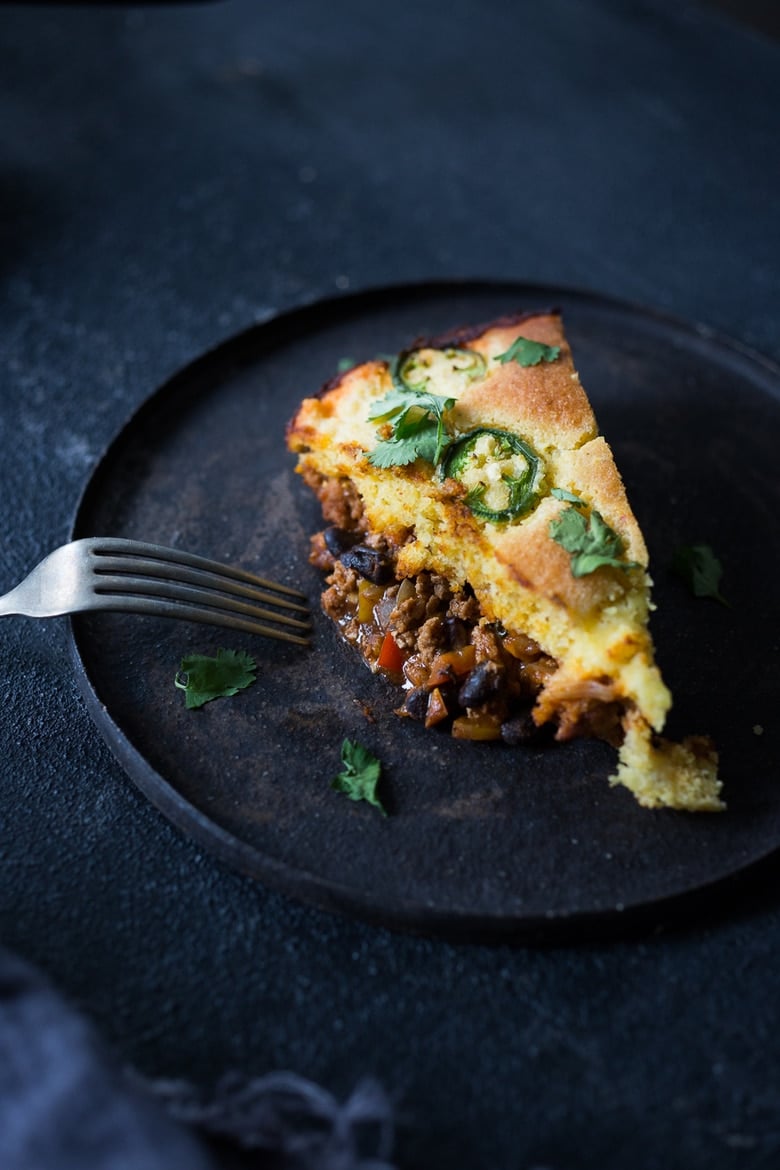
pixel 481 839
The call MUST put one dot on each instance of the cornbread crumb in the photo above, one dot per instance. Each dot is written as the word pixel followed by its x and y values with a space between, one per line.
pixel 662 774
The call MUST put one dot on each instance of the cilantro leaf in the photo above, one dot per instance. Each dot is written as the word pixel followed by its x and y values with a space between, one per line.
pixel 589 540
pixel 569 497
pixel 203 678
pixel 392 404
pixel 526 352
pixel 345 364
pixel 360 774
pixel 399 402
pixel 418 430
pixel 700 569
pixel 398 452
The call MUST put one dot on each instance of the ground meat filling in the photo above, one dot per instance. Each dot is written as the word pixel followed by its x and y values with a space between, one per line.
pixel 340 501
pixel 457 669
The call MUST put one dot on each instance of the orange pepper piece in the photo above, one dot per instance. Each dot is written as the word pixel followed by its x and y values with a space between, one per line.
pixel 452 663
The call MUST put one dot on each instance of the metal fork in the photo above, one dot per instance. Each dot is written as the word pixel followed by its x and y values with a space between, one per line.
pixel 131 576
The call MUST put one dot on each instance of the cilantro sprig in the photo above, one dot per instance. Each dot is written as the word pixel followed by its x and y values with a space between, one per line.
pixel 527 352
pixel 587 538
pixel 203 678
pixel 700 569
pixel 360 773
pixel 418 430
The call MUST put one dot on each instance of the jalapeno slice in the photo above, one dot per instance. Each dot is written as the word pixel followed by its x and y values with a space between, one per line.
pixel 499 470
pixel 441 371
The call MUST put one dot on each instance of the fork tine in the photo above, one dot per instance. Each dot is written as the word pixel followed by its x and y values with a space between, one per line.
pixel 113 568
pixel 158 560
pixel 124 585
pixel 207 615
pixel 138 577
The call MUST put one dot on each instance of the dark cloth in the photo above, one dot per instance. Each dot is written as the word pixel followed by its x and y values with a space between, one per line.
pixel 65 1104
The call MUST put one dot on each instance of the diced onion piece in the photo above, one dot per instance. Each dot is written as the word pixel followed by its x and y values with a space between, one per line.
pixel 405 591
pixel 415 670
pixel 522 647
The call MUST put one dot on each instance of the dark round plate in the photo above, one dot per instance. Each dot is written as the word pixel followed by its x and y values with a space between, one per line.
pixel 481 840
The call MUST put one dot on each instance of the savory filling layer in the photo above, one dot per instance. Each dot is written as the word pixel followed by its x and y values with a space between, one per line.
pixel 457 669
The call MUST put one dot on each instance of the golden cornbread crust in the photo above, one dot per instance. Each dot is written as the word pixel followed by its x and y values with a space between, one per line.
pixel 590 668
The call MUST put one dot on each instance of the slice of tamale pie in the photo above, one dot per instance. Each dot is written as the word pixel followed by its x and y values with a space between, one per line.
pixel 482 553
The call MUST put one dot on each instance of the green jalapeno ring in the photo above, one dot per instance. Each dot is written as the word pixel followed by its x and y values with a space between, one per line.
pixel 403 367
pixel 522 495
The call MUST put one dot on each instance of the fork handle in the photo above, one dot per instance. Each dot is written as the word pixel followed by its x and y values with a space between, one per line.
pixel 10 604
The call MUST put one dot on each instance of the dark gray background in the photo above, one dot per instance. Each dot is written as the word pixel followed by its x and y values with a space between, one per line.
pixel 169 176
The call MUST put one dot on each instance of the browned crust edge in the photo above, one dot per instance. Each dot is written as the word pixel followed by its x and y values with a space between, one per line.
pixel 461 335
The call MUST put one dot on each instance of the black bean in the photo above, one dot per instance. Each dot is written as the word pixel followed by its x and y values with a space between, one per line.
pixel 481 684
pixel 338 540
pixel 416 703
pixel 456 631
pixel 369 563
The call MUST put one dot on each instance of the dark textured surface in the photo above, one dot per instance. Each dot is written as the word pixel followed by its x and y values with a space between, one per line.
pixel 169 176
